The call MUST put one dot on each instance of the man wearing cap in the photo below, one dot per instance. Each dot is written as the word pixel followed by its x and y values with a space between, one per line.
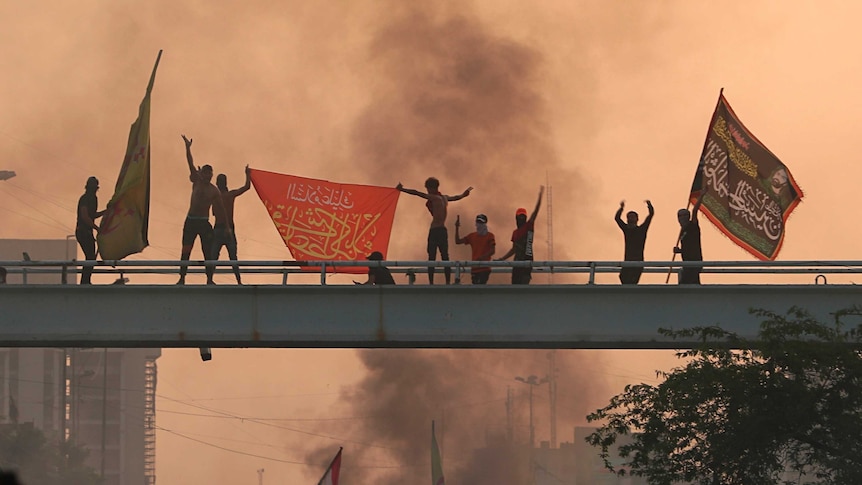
pixel 522 242
pixel 205 195
pixel 438 237
pixel 378 275
pixel 86 224
pixel 482 244
pixel 635 240
pixel 689 239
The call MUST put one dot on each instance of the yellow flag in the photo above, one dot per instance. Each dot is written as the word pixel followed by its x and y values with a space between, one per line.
pixel 436 461
pixel 124 226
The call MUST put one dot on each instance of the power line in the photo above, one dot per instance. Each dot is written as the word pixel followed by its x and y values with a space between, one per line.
pixel 295 430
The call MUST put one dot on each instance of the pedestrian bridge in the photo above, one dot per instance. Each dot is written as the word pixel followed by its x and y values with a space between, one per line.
pixel 586 314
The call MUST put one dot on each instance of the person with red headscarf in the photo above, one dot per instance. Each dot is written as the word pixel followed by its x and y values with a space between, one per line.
pixel 522 242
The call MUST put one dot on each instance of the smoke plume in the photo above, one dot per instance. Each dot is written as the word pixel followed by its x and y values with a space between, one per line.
pixel 482 434
pixel 456 101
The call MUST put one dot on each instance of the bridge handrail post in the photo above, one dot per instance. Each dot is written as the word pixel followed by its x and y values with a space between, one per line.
pixel 323 274
pixel 592 280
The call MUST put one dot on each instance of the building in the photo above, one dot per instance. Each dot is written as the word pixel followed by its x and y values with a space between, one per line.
pixel 101 399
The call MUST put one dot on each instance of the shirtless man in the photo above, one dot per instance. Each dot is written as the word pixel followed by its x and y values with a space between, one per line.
pixel 224 230
pixel 438 237
pixel 204 196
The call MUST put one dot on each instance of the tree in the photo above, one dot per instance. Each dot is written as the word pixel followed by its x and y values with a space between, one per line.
pixel 25 451
pixel 785 408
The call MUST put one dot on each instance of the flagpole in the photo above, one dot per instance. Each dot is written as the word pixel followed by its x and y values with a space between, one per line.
pixel 697 172
pixel 319 482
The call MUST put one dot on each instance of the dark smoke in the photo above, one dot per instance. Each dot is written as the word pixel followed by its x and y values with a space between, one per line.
pixel 452 99
pixel 455 101
pixel 464 391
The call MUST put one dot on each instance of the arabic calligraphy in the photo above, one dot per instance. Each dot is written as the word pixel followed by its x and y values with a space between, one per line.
pixel 319 233
pixel 737 155
pixel 748 202
pixel 320 195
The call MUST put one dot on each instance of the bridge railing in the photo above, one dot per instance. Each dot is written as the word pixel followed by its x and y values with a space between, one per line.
pixel 67 270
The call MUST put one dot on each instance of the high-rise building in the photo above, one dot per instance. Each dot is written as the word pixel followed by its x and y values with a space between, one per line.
pixel 101 399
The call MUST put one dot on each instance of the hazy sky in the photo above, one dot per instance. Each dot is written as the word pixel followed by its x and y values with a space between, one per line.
pixel 609 100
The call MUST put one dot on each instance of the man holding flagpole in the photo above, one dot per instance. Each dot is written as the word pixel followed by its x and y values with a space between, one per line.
pixel 689 243
pixel 87 214
pixel 224 229
pixel 205 195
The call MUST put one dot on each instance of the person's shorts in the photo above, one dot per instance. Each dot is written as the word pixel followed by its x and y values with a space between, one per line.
pixel 221 238
pixel 438 238
pixel 198 228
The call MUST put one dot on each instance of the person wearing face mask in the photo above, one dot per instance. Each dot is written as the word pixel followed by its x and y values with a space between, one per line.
pixel 482 243
pixel 522 242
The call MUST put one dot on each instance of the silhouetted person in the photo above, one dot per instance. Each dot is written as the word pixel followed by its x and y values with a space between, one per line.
pixel 483 246
pixel 690 243
pixel 221 235
pixel 522 242
pixel 204 196
pixel 635 239
pixel 438 237
pixel 378 275
pixel 86 224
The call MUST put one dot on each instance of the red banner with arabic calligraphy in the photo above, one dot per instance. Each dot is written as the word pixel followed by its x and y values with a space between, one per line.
pixel 328 221
pixel 749 192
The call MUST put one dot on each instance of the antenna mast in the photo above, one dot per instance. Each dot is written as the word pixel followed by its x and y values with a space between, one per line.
pixel 550 224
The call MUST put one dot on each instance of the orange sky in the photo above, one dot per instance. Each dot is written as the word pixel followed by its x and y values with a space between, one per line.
pixel 610 99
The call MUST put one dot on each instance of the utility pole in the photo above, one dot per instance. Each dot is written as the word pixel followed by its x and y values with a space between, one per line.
pixel 510 416
pixel 552 393
pixel 104 407
pixel 260 476
pixel 533 381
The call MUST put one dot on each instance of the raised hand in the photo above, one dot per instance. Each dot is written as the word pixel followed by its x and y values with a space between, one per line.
pixel 188 141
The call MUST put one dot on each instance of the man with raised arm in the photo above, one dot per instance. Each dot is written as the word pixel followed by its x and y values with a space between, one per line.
pixel 224 230
pixel 522 242
pixel 205 195
pixel 689 242
pixel 635 240
pixel 438 237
